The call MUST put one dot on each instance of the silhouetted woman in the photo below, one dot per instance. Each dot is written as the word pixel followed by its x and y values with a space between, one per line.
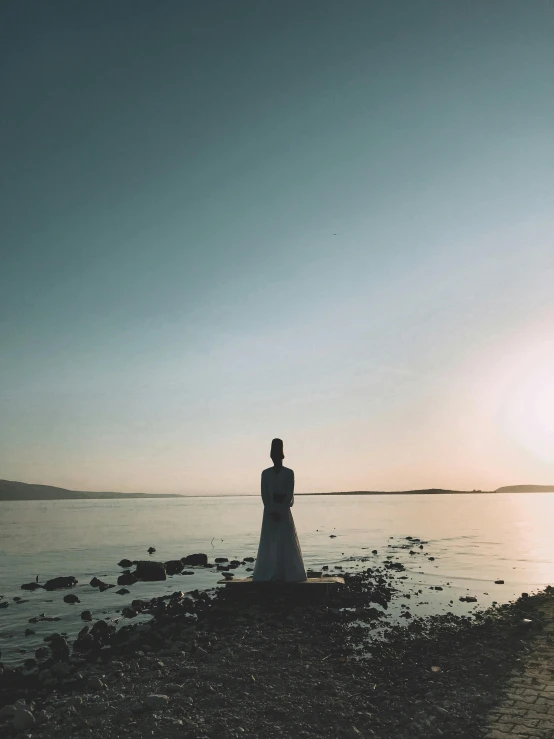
pixel 279 555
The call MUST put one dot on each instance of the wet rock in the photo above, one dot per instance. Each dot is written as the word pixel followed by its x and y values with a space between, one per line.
pixel 151 550
pixel 128 612
pixel 127 578
pixel 468 598
pixel 4 604
pixel 31 586
pixel 149 571
pixel 197 560
pixel 125 563
pixel 70 598
pixel 122 591
pixel 29 632
pixel 101 631
pixel 23 720
pixel 7 712
pixel 42 653
pixel 58 646
pixel 499 582
pixel 86 615
pixel 187 572
pixel 221 559
pixel 60 582
pixel 332 536
pixel 249 559
pixel 94 683
pixel 173 566
pixel 156 700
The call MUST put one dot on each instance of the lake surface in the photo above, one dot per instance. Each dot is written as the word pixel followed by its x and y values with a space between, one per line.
pixel 475 540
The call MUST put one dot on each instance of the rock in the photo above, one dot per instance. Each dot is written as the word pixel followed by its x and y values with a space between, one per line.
pixel 195 560
pixel 29 632
pixel 499 582
pixel 86 616
pixel 125 563
pixel 58 646
pixel 151 550
pixel 31 586
pixel 61 669
pixel 156 700
pixel 149 571
pixel 221 559
pixel 332 536
pixel 94 683
pixel 42 653
pixel 187 572
pixel 249 559
pixel 71 598
pixel 23 720
pixel 127 578
pixel 374 551
pixel 122 591
pixel 60 582
pixel 4 604
pixel 7 711
pixel 101 631
pixel 468 599
pixel 173 566
pixel 128 612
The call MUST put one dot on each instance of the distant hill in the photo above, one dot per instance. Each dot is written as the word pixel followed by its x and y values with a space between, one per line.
pixel 10 490
pixel 429 491
pixel 526 489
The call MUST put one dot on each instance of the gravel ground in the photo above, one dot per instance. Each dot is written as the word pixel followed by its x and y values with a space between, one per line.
pixel 270 665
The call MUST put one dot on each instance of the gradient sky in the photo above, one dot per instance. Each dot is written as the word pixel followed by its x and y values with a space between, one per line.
pixel 327 221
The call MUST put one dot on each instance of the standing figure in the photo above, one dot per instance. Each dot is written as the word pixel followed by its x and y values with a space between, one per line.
pixel 279 555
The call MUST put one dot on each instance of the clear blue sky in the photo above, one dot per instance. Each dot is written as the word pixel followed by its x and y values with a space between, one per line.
pixel 326 221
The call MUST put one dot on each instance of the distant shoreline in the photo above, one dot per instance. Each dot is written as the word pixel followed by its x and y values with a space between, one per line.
pixel 11 490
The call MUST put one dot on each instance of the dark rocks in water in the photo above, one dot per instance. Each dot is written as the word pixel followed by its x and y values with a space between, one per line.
pixel 374 551
pixel 325 567
pixel 332 536
pixel 128 612
pixel 71 598
pixel 122 591
pixel 29 632
pixel 60 582
pixel 235 563
pixel 228 575
pixel 42 617
pixel 86 616
pixel 198 560
pixel 127 578
pixel 173 566
pixel 149 571
pixel 221 559
pixel 100 584
pixel 31 586
pixel 101 631
pixel 248 559
pixel 95 582
pixel 151 550
pixel 138 604
pixel 499 582
pixel 431 559
pixel 223 568
pixel 187 572
pixel 468 598
pixel 4 604
pixel 125 563
pixel 42 653
pixel 59 646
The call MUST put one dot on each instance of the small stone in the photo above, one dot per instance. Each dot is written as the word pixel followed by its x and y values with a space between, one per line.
pixel 122 591
pixel 499 582
pixel 23 720
pixel 70 598
pixel 86 616
pixel 94 683
pixel 156 700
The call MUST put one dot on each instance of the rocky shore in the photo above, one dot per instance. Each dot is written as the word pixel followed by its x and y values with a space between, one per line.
pixel 272 664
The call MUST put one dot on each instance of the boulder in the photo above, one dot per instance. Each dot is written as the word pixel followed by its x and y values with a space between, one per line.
pixel 249 559
pixel 127 578
pixel 221 559
pixel 58 646
pixel 125 563
pixel 71 598
pixel 60 582
pixel 86 616
pixel 151 550
pixel 195 560
pixel 122 591
pixel 23 720
pixel 128 612
pixel 149 571
pixel 31 586
pixel 173 567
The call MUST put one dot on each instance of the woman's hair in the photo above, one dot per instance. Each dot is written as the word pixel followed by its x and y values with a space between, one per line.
pixel 277 448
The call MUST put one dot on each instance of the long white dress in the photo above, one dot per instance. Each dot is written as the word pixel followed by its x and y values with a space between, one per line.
pixel 279 555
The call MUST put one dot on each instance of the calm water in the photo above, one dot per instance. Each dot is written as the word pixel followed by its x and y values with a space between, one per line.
pixel 474 538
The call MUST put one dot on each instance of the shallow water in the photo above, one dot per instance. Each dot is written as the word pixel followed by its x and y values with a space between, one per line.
pixel 475 539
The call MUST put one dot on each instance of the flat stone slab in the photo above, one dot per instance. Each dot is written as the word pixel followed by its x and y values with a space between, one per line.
pixel 309 581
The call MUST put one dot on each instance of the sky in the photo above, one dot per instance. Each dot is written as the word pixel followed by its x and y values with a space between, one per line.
pixel 227 221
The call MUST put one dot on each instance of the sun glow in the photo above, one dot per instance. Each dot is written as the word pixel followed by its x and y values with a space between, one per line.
pixel 530 407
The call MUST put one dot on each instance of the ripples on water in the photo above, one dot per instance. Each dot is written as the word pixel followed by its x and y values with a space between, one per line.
pixel 475 539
